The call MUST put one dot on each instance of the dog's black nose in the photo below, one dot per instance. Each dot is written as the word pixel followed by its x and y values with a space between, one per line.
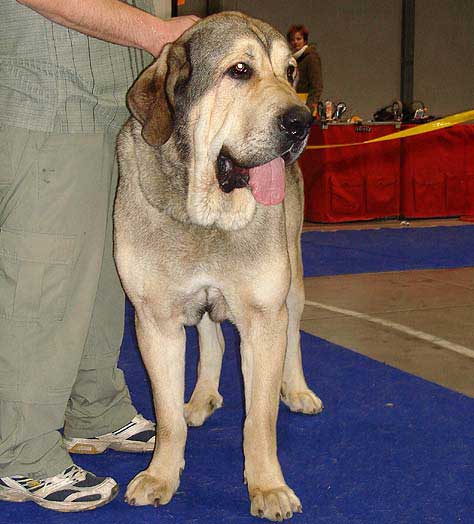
pixel 296 122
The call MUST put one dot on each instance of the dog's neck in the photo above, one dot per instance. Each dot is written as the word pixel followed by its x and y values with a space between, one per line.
pixel 162 176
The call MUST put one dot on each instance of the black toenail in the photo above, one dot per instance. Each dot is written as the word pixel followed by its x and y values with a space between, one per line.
pixel 156 502
pixel 288 515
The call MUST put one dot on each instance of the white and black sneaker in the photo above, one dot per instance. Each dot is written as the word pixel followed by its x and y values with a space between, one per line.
pixel 138 436
pixel 74 489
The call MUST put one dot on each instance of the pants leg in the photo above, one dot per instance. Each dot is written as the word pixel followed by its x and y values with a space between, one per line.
pixel 55 192
pixel 100 401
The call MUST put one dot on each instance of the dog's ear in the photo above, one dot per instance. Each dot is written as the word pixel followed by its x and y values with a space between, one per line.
pixel 151 99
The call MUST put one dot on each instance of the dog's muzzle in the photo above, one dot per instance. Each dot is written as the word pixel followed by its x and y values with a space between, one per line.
pixel 267 181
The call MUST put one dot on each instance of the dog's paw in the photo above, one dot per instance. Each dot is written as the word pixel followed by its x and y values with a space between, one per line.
pixel 303 402
pixel 274 504
pixel 200 408
pixel 146 489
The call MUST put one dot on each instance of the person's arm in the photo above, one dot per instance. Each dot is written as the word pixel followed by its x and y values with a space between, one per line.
pixel 113 21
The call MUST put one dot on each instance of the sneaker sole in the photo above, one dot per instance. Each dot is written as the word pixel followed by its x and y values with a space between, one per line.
pixel 64 507
pixel 86 447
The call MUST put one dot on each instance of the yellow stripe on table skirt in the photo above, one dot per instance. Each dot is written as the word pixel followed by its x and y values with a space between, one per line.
pixel 434 125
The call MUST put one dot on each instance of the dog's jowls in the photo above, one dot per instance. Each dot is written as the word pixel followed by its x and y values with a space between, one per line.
pixel 207 227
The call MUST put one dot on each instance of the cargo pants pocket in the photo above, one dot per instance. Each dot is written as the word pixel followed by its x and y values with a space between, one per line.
pixel 35 275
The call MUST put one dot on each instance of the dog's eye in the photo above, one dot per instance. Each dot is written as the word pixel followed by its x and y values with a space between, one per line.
pixel 241 71
pixel 290 73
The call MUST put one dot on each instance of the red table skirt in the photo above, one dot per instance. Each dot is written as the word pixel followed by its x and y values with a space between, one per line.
pixel 429 175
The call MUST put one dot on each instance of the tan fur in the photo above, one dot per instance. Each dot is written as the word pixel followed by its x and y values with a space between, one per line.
pixel 188 253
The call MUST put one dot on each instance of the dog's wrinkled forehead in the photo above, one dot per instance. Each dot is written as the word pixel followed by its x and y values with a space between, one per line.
pixel 233 37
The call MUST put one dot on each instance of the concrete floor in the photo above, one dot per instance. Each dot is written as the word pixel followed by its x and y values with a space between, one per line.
pixel 419 321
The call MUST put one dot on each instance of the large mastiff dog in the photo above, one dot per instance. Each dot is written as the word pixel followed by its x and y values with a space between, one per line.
pixel 207 227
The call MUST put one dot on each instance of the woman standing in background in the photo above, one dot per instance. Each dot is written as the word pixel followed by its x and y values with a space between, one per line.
pixel 309 78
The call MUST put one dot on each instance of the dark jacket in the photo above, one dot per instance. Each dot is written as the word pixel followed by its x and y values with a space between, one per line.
pixel 310 78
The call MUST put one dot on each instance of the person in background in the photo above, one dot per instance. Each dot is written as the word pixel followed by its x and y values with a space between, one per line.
pixel 309 76
pixel 65 68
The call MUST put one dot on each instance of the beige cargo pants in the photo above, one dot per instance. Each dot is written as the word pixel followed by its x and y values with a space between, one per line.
pixel 61 304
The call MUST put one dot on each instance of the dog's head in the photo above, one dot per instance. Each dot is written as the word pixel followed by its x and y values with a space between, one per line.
pixel 224 92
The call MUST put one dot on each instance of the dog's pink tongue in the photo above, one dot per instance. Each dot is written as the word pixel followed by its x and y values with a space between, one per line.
pixel 267 182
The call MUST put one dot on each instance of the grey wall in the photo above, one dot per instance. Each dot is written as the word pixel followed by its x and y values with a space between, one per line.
pixel 444 54
pixel 360 46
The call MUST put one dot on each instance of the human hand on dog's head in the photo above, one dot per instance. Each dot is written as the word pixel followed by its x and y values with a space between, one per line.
pixel 170 30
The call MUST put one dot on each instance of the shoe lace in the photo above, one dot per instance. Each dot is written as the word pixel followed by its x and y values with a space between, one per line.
pixel 70 475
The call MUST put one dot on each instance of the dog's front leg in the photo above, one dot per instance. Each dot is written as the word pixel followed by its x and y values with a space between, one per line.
pixel 263 352
pixel 162 345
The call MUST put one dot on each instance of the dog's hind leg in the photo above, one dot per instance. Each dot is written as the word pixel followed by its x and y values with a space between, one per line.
pixel 206 397
pixel 162 346
pixel 294 391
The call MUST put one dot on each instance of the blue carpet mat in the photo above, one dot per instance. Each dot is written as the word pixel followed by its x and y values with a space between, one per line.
pixel 389 448
pixel 366 251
